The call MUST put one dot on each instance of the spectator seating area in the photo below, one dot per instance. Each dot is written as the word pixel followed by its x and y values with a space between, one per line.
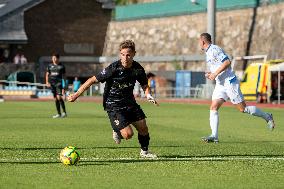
pixel 20 89
pixel 45 94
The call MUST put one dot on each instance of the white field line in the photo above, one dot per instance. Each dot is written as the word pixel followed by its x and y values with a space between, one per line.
pixel 252 158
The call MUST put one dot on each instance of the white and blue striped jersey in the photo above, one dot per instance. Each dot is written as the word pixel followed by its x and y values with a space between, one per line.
pixel 215 56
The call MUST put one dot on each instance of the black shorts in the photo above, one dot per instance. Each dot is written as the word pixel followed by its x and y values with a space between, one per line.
pixel 120 119
pixel 56 89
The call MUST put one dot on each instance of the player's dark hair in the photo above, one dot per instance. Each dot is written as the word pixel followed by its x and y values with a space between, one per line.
pixel 56 55
pixel 127 44
pixel 206 37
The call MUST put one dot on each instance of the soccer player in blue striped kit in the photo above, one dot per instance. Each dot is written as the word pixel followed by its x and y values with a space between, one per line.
pixel 227 87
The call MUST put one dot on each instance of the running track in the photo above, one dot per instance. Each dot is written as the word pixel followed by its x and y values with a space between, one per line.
pixel 162 100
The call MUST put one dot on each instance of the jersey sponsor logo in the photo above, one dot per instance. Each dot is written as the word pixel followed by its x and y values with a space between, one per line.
pixel 54 73
pixel 124 85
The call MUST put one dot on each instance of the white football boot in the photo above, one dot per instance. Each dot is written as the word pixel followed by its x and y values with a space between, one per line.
pixel 63 115
pixel 270 122
pixel 56 116
pixel 116 137
pixel 209 139
pixel 147 154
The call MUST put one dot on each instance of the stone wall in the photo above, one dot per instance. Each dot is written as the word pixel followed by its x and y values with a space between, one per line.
pixel 71 28
pixel 178 35
pixel 65 27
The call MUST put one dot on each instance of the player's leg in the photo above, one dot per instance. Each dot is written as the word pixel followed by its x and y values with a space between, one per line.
pixel 143 138
pixel 127 132
pixel 218 98
pixel 60 99
pixel 253 110
pixel 214 121
pixel 138 119
pixel 57 104
pixel 143 134
pixel 236 96
pixel 120 126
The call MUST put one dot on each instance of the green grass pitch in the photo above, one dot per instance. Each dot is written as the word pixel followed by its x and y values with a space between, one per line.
pixel 248 155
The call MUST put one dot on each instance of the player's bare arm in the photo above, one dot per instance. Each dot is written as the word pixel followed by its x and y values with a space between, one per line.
pixel 46 79
pixel 149 97
pixel 223 67
pixel 84 87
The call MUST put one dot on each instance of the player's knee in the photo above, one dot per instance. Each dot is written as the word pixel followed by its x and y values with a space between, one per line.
pixel 215 108
pixel 143 131
pixel 127 135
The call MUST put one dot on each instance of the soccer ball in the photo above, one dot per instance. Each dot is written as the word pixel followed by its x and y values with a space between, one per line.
pixel 69 155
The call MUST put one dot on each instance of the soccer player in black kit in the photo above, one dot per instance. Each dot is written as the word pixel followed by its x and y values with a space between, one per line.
pixel 55 73
pixel 118 98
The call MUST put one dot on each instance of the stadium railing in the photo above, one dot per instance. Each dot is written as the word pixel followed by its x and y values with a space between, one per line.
pixel 38 90
pixel 201 91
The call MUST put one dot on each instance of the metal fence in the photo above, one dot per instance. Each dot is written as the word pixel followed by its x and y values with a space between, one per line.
pixel 202 91
pixel 39 90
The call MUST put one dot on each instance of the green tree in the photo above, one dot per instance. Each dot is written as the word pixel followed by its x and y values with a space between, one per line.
pixel 125 2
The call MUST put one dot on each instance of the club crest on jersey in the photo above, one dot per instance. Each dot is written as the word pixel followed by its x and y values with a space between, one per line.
pixel 103 72
pixel 116 122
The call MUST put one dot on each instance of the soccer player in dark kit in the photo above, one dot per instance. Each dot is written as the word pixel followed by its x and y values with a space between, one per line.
pixel 118 98
pixel 55 73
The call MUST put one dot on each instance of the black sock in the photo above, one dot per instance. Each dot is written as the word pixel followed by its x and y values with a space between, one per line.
pixel 119 134
pixel 62 105
pixel 144 141
pixel 57 104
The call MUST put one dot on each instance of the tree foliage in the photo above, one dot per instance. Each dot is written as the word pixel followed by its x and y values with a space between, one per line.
pixel 125 2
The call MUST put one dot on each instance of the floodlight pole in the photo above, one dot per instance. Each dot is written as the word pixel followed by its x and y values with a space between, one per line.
pixel 211 18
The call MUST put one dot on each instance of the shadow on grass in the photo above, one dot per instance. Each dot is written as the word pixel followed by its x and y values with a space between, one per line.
pixel 28 162
pixel 89 163
pixel 222 156
pixel 52 162
pixel 250 142
pixel 90 148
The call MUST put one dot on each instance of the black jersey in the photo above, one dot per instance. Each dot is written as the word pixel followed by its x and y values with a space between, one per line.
pixel 56 72
pixel 120 81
